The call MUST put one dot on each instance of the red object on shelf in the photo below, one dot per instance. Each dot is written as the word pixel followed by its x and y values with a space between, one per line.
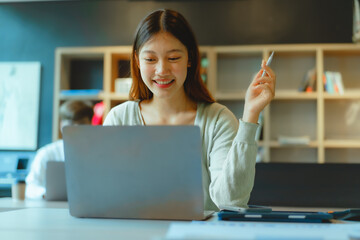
pixel 98 114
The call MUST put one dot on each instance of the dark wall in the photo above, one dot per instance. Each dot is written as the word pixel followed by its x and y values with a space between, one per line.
pixel 32 31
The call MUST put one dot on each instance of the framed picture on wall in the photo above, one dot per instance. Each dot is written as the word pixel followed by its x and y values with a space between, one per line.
pixel 19 105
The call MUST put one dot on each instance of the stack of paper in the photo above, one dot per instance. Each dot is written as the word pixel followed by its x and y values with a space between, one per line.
pixel 250 230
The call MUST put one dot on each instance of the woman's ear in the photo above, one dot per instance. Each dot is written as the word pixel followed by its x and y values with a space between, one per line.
pixel 189 64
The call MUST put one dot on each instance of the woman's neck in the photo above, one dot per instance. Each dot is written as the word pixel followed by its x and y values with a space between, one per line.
pixel 168 111
pixel 172 106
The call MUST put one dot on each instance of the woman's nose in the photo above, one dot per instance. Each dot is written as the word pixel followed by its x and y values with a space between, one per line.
pixel 162 68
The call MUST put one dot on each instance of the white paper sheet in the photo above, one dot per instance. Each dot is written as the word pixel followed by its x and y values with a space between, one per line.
pixel 262 231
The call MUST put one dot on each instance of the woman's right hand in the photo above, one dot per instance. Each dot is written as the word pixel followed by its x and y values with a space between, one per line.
pixel 259 94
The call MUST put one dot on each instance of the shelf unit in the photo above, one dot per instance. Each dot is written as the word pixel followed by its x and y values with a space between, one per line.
pixel 329 120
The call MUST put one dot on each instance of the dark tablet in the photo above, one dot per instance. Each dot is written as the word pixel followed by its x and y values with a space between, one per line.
pixel 276 216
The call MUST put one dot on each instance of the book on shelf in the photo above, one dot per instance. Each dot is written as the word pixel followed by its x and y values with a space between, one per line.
pixel 309 81
pixel 203 70
pixel 339 82
pixel 82 92
pixel 356 22
pixel 329 86
pixel 333 82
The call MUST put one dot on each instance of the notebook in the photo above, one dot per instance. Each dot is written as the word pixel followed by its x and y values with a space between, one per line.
pixel 55 183
pixel 138 172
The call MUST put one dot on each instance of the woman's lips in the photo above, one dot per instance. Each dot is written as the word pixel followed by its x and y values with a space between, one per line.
pixel 163 83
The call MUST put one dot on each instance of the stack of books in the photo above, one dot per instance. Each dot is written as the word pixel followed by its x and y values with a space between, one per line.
pixel 309 82
pixel 333 82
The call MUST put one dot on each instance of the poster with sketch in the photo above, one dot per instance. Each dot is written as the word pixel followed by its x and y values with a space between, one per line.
pixel 19 105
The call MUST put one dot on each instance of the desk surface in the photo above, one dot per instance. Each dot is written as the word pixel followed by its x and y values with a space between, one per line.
pixel 8 204
pixel 56 223
pixel 51 220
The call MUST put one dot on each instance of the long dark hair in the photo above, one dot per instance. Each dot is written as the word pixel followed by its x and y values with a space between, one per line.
pixel 170 21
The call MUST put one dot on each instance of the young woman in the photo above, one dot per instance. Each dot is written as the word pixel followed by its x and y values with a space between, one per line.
pixel 168 90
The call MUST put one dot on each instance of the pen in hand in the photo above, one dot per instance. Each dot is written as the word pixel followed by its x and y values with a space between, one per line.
pixel 268 62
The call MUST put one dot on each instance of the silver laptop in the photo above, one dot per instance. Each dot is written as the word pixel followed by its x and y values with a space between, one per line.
pixel 139 172
pixel 55 183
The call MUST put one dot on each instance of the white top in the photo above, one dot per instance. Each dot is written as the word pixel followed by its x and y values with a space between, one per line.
pixel 229 151
pixel 35 181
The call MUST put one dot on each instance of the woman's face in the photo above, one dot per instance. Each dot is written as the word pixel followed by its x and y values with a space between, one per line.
pixel 163 63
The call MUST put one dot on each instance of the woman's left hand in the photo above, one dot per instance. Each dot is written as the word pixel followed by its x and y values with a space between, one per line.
pixel 259 94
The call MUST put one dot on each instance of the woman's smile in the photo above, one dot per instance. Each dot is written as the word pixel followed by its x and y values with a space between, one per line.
pixel 163 83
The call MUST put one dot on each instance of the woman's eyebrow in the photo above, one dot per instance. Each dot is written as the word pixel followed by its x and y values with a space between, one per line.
pixel 170 51
pixel 175 50
pixel 148 51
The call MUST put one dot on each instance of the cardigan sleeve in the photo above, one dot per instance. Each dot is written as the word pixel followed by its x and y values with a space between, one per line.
pixel 232 160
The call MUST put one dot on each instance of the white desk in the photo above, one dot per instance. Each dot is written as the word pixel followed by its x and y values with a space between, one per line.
pixel 8 204
pixel 56 223
pixel 41 219
pixel 52 223
pixel 51 220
